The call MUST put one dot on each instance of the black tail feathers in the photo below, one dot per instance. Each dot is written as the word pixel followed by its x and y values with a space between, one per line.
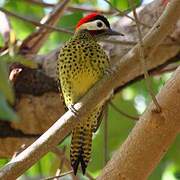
pixel 76 164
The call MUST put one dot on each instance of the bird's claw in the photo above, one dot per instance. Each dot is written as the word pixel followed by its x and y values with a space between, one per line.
pixel 108 71
pixel 73 110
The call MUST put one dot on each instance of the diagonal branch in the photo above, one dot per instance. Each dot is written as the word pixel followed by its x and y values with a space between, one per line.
pixel 35 23
pixel 57 29
pixel 150 139
pixel 33 43
pixel 98 93
pixel 71 8
pixel 124 14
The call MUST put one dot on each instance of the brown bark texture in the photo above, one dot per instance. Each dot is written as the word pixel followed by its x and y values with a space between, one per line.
pixel 149 139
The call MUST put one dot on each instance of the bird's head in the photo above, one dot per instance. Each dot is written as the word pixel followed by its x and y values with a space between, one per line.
pixel 97 25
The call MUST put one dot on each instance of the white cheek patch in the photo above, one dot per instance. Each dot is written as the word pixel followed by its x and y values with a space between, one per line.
pixel 93 25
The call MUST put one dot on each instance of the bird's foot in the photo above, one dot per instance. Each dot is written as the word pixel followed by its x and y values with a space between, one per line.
pixel 73 110
pixel 108 71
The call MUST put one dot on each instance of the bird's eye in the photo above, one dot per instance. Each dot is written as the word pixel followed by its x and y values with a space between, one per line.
pixel 99 24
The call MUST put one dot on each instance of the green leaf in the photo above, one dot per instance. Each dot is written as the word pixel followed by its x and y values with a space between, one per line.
pixel 25 8
pixel 22 8
pixel 6 113
pixel 5 86
pixel 44 166
pixel 124 5
pixel 3 162
pixel 1 41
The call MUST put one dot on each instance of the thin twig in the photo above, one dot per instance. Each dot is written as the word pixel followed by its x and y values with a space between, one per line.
pixel 119 42
pixel 123 113
pixel 74 8
pixel 166 69
pixel 35 23
pixel 143 59
pixel 23 146
pixel 58 173
pixel 60 168
pixel 106 135
pixel 132 43
pixel 70 8
pixel 41 3
pixel 124 14
pixel 59 152
pixel 52 177
pixel 35 40
pixel 62 159
pixel 63 30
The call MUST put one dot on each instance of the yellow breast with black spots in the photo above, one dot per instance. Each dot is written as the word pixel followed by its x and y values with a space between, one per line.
pixel 81 64
pixel 81 85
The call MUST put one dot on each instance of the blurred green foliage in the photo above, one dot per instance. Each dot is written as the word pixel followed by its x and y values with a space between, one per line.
pixel 6 94
pixel 124 5
pixel 132 100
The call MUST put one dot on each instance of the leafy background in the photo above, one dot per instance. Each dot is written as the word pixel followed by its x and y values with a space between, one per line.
pixel 132 100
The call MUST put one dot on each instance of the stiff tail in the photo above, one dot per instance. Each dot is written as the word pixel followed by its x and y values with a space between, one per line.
pixel 81 146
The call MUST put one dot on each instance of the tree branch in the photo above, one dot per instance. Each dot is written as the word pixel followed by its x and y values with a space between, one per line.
pixel 150 138
pixel 34 41
pixel 71 8
pixel 98 93
pixel 36 23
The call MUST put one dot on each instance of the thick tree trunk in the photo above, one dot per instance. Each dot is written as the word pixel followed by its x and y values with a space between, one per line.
pixel 150 138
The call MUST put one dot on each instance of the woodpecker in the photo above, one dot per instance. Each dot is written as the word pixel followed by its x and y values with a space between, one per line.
pixel 81 63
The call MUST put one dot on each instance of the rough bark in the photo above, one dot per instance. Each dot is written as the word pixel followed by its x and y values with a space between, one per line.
pixel 149 139
pixel 33 103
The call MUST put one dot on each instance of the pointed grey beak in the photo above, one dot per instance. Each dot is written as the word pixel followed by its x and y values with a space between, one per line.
pixel 111 32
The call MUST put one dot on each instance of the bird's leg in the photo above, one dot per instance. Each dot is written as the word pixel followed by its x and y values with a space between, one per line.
pixel 108 71
pixel 73 110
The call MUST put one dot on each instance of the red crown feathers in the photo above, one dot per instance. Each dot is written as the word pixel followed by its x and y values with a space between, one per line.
pixel 86 19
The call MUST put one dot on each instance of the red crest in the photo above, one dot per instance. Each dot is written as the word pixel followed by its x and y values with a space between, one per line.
pixel 86 19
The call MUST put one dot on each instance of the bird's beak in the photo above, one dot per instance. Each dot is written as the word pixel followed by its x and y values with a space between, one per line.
pixel 111 32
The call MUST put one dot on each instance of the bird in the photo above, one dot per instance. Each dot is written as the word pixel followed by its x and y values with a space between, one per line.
pixel 81 63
